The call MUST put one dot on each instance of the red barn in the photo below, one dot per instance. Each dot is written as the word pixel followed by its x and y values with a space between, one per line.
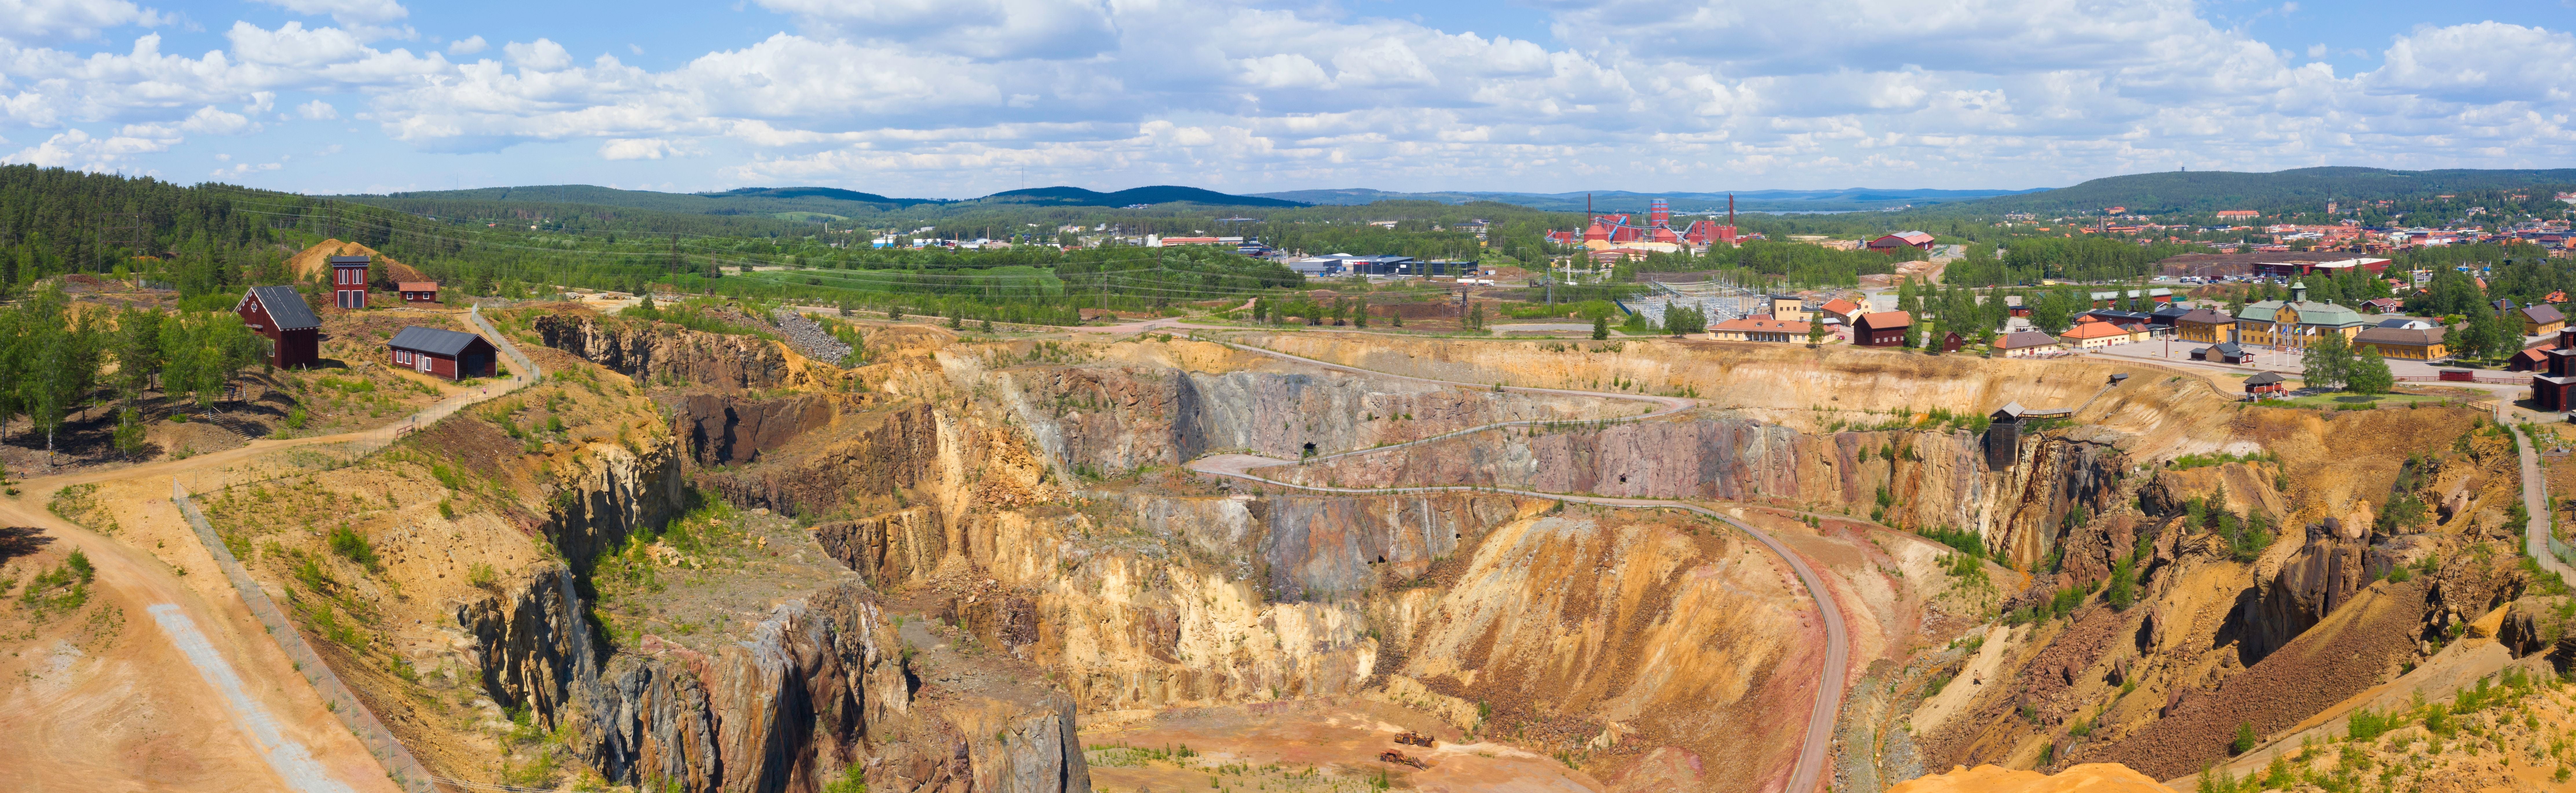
pixel 443 353
pixel 278 313
pixel 349 281
pixel 1883 329
pixel 418 291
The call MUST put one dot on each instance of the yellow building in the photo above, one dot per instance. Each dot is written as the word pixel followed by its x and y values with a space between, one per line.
pixel 2541 320
pixel 2295 322
pixel 2205 326
pixel 2409 344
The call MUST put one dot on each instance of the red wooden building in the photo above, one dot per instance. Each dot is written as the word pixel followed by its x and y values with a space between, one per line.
pixel 444 353
pixel 1882 329
pixel 278 313
pixel 2551 389
pixel 349 281
pixel 418 291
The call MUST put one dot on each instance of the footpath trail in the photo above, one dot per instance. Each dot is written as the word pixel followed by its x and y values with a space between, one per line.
pixel 193 693
pixel 2535 502
pixel 1815 746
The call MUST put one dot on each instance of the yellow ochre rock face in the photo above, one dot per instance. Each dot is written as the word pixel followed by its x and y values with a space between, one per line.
pixel 2088 778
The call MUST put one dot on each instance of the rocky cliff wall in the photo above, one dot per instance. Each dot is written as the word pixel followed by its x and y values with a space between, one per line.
pixel 821 686
pixel 668 355
pixel 1119 418
pixel 721 430
pixel 1930 479
pixel 866 455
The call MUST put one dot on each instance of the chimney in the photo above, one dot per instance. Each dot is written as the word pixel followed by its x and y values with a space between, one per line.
pixel 2298 291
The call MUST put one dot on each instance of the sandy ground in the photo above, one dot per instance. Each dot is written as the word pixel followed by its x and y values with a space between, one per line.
pixel 126 707
pixel 1981 672
pixel 131 713
pixel 1310 746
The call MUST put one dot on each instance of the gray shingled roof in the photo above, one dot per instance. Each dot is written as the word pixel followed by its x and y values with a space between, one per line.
pixel 285 306
pixel 433 341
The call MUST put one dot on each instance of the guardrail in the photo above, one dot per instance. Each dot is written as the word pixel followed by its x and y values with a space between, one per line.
pixel 527 368
pixel 2497 380
pixel 405 770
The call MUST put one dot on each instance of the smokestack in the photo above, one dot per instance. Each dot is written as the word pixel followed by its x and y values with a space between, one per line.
pixel 1730 210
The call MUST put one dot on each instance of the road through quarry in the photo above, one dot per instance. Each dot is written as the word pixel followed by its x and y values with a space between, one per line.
pixel 1815 745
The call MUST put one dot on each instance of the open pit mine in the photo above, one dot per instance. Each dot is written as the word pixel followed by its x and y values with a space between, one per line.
pixel 656 558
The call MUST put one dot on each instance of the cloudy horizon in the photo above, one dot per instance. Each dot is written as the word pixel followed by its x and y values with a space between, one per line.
pixel 965 98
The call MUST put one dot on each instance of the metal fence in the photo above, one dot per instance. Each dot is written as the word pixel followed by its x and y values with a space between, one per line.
pixel 405 770
pixel 527 369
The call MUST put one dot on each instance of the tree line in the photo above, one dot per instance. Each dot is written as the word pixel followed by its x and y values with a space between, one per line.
pixel 59 359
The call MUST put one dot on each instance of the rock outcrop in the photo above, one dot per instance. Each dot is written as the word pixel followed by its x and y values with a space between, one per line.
pixel 1925 479
pixel 1113 419
pixel 669 355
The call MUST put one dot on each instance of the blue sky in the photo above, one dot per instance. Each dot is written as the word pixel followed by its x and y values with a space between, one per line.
pixel 957 98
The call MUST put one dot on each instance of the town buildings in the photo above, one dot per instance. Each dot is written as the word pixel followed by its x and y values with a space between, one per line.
pixel 2023 344
pixel 2295 322
pixel 1790 308
pixel 2551 388
pixel 1881 329
pixel 2206 326
pixel 1759 329
pixel 2413 340
pixel 2094 333
pixel 2541 320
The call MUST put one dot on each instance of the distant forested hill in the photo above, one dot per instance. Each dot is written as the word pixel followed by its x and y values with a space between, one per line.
pixel 1158 194
pixel 1842 200
pixel 2210 191
pixel 803 203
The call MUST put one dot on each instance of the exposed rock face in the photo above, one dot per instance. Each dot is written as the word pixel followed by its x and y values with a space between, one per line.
pixel 887 549
pixel 876 452
pixel 609 490
pixel 1119 419
pixel 2331 565
pixel 821 685
pixel 670 355
pixel 716 430
pixel 1936 479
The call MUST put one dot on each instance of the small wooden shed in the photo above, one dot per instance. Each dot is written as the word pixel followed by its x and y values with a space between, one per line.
pixel 444 353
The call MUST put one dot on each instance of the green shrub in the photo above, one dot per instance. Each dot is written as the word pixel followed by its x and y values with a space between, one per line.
pixel 351 545
pixel 2244 738
pixel 2367 724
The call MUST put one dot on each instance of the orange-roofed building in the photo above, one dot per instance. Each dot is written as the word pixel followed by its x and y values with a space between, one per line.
pixel 418 291
pixel 1758 329
pixel 2093 334
pixel 1841 309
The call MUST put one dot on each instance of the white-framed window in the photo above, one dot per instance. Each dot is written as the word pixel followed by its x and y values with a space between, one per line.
pixel 401 356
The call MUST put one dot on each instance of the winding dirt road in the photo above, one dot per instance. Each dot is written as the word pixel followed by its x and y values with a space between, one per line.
pixel 192 694
pixel 1816 746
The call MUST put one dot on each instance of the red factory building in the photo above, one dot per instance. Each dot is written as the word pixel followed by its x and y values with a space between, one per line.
pixel 1620 227
pixel 278 313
